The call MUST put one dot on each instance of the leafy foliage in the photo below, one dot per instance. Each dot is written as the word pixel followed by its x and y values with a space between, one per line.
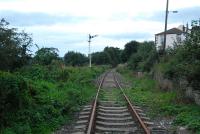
pixel 14 95
pixel 45 56
pixel 100 58
pixel 144 58
pixel 14 47
pixel 113 55
pixel 130 48
pixel 110 56
pixel 38 99
pixel 75 59
pixel 185 61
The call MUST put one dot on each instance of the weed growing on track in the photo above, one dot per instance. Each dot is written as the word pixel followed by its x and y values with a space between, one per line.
pixel 38 99
pixel 113 94
pixel 145 92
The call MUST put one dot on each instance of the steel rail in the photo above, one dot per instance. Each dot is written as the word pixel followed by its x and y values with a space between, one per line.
pixel 90 128
pixel 132 109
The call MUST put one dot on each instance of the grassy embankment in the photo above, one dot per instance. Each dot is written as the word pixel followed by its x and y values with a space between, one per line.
pixel 144 92
pixel 39 99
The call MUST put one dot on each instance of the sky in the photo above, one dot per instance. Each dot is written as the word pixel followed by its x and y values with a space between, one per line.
pixel 65 24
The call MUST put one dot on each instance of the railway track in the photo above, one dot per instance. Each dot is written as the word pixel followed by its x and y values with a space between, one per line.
pixel 111 112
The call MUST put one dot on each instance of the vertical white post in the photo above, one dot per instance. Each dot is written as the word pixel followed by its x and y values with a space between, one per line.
pixel 90 56
pixel 90 62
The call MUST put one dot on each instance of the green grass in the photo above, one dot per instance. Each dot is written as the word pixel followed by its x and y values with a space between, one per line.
pixel 145 92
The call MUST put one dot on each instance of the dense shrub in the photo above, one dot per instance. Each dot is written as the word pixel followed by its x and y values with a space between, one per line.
pixel 144 58
pixel 184 62
pixel 15 94
pixel 38 99
pixel 50 73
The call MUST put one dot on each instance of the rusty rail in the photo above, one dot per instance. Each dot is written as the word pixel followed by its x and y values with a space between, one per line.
pixel 132 109
pixel 90 128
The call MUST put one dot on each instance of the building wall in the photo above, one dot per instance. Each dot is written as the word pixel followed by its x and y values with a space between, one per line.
pixel 170 39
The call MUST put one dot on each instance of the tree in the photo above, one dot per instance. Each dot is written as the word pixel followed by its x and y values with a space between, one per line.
pixel 75 59
pixel 113 55
pixel 45 56
pixel 100 58
pixel 14 47
pixel 144 58
pixel 130 48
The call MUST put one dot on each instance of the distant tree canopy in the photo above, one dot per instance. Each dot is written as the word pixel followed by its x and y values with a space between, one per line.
pixel 45 56
pixel 75 59
pixel 14 47
pixel 129 49
pixel 113 54
pixel 100 58
pixel 110 55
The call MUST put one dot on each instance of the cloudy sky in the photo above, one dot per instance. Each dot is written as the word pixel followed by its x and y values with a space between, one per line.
pixel 65 24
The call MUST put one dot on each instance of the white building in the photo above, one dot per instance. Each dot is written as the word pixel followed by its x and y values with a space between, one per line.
pixel 174 35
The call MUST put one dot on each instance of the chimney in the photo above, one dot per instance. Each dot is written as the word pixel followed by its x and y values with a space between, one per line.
pixel 181 27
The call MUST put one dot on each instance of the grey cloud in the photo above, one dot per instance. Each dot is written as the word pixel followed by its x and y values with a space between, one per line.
pixel 131 36
pixel 63 41
pixel 184 15
pixel 31 19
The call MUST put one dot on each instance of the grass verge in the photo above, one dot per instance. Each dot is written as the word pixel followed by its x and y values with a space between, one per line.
pixel 145 92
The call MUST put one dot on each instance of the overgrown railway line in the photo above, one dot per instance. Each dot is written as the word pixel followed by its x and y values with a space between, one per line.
pixel 112 112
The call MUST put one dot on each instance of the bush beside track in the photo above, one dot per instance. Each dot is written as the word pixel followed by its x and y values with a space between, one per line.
pixel 38 99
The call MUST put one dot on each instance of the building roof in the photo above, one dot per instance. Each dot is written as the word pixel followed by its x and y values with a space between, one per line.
pixel 172 31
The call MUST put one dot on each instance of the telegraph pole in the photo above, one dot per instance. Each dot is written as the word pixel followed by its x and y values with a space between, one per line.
pixel 165 34
pixel 166 19
pixel 90 56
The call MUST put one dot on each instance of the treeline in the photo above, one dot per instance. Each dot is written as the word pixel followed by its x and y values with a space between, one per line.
pixel 16 52
pixel 138 55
